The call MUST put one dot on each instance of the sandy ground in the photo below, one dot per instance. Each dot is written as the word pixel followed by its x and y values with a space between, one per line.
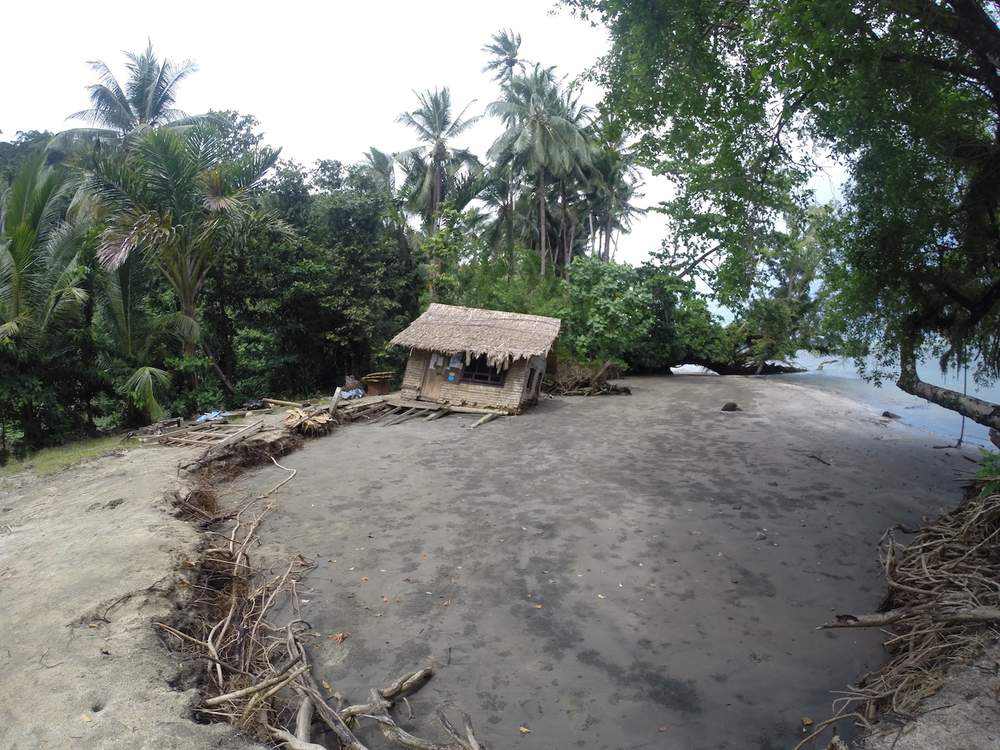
pixel 81 666
pixel 620 572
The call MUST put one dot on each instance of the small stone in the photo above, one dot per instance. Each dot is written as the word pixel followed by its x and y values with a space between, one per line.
pixel 889 415
pixel 731 406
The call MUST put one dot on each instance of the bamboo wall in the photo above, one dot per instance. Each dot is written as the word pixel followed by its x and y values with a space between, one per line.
pixel 511 396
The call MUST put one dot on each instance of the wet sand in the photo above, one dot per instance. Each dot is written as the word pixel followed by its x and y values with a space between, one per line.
pixel 615 572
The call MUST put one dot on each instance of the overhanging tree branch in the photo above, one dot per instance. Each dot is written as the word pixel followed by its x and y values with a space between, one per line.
pixel 978 410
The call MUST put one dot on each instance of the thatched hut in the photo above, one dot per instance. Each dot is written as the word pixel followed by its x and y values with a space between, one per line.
pixel 469 357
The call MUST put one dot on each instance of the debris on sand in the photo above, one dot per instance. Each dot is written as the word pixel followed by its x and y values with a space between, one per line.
pixel 256 674
pixel 309 421
pixel 731 406
pixel 942 609
pixel 578 379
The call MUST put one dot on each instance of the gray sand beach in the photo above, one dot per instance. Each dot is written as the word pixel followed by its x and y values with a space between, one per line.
pixel 617 572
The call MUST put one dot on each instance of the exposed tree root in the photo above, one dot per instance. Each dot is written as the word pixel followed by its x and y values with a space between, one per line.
pixel 257 675
pixel 577 379
pixel 942 608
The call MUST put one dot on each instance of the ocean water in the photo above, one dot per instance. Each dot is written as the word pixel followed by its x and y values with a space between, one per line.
pixel 842 377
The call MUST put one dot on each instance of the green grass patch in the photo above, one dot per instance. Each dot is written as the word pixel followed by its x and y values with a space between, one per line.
pixel 50 460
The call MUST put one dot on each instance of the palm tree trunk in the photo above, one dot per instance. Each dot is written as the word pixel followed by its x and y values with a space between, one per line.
pixel 435 193
pixel 562 228
pixel 188 346
pixel 568 258
pixel 541 219
pixel 510 222
pixel 607 238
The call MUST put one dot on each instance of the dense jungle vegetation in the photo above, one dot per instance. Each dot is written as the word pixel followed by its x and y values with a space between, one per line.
pixel 154 262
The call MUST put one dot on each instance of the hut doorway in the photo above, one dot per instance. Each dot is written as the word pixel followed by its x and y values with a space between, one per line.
pixel 430 388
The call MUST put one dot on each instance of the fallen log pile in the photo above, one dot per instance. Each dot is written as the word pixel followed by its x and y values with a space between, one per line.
pixel 257 675
pixel 576 379
pixel 942 608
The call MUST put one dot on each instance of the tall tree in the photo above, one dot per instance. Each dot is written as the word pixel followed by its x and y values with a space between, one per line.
pixel 40 294
pixel 732 98
pixel 541 138
pixel 612 184
pixel 504 48
pixel 175 198
pixel 146 100
pixel 433 167
pixel 38 249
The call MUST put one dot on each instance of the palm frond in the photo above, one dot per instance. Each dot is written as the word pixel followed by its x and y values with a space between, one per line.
pixel 142 386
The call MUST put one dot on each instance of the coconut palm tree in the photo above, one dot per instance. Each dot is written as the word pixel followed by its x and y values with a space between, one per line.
pixel 38 253
pixel 174 198
pixel 612 184
pixel 542 137
pixel 40 289
pixel 145 101
pixel 433 167
pixel 504 46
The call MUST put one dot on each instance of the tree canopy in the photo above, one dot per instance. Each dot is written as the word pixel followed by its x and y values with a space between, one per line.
pixel 739 103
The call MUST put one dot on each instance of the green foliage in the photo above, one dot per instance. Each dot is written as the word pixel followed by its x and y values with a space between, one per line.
pixel 141 388
pixel 162 264
pixel 734 101
pixel 435 170
pixel 989 473
pixel 146 100
pixel 606 315
pixel 196 389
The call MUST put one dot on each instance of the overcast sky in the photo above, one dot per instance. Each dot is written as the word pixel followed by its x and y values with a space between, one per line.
pixel 326 80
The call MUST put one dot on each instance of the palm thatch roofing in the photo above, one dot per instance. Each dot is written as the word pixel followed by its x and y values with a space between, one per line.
pixel 502 336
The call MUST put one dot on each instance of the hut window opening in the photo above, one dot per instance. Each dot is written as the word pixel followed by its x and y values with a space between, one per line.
pixel 479 371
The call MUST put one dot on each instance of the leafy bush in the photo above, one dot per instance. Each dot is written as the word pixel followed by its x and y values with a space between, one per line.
pixel 989 473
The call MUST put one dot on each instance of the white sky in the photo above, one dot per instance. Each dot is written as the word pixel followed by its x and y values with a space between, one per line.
pixel 326 80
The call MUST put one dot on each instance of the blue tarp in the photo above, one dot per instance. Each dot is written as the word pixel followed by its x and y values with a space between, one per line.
pixel 209 416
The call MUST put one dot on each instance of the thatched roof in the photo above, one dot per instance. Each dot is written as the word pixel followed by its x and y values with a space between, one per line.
pixel 501 336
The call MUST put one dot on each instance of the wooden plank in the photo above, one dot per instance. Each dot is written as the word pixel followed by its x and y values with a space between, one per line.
pixel 394 410
pixel 243 434
pixel 182 431
pixel 279 402
pixel 362 404
pixel 188 441
pixel 486 418
pixel 400 418
pixel 336 400
pixel 213 439
pixel 410 403
pixel 374 414
pixel 406 417
pixel 443 412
